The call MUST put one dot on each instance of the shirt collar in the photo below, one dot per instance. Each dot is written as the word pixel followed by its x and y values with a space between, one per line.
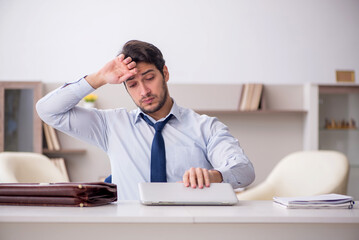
pixel 175 111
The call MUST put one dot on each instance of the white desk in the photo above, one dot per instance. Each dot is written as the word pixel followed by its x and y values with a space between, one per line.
pixel 131 220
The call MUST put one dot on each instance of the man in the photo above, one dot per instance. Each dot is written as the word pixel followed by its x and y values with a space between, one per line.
pixel 192 148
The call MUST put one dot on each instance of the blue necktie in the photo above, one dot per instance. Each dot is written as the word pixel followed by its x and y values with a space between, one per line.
pixel 158 153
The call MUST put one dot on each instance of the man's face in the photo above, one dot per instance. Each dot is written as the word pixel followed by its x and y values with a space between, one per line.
pixel 148 88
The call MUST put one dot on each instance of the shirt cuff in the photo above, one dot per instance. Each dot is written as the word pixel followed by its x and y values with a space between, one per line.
pixel 228 177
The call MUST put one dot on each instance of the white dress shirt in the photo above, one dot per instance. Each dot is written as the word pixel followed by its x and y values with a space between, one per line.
pixel 191 140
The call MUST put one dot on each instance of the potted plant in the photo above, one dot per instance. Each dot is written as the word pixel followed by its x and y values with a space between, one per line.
pixel 89 100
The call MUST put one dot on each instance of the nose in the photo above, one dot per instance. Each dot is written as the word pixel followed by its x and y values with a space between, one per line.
pixel 144 90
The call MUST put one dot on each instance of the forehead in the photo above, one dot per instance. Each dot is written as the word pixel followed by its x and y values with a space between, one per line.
pixel 143 67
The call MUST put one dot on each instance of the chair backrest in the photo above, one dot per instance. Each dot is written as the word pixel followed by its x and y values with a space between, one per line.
pixel 310 173
pixel 22 167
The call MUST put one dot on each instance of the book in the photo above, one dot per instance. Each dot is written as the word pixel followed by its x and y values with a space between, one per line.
pixel 51 138
pixel 60 164
pixel 250 97
pixel 54 138
pixel 240 93
pixel 318 201
pixel 48 140
pixel 256 97
pixel 244 101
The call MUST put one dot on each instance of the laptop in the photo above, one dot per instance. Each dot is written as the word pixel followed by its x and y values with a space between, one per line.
pixel 177 194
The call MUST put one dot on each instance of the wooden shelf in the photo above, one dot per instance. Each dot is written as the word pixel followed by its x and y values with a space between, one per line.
pixel 339 130
pixel 225 99
pixel 63 151
pixel 339 89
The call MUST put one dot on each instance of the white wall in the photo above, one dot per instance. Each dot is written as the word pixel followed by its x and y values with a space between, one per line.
pixel 203 41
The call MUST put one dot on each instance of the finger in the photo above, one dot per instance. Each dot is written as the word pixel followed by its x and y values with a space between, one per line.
pixel 207 180
pixel 121 57
pixel 133 71
pixel 185 179
pixel 131 65
pixel 199 177
pixel 127 75
pixel 127 60
pixel 193 178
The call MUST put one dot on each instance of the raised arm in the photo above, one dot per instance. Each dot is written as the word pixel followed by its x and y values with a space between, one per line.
pixel 58 108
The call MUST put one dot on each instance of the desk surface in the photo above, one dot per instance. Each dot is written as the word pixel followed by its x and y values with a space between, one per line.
pixel 134 212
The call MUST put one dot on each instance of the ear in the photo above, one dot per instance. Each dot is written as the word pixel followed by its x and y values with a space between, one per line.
pixel 166 74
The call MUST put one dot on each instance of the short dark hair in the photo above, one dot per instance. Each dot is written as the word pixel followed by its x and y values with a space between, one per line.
pixel 144 52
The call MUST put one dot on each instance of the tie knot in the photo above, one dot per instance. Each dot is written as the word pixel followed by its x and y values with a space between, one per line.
pixel 159 125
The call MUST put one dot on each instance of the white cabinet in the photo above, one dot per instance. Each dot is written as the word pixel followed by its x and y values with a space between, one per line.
pixel 338 126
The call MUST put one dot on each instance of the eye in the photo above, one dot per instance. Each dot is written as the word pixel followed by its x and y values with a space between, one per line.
pixel 132 85
pixel 150 78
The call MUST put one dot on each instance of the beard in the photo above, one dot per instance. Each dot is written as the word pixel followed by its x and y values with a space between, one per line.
pixel 161 103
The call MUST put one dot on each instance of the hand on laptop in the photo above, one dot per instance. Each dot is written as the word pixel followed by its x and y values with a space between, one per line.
pixel 201 177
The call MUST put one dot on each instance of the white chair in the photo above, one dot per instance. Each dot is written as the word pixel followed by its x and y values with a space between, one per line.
pixel 25 167
pixel 304 173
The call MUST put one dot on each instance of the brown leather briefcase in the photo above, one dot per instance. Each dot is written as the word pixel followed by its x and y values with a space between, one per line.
pixel 58 194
